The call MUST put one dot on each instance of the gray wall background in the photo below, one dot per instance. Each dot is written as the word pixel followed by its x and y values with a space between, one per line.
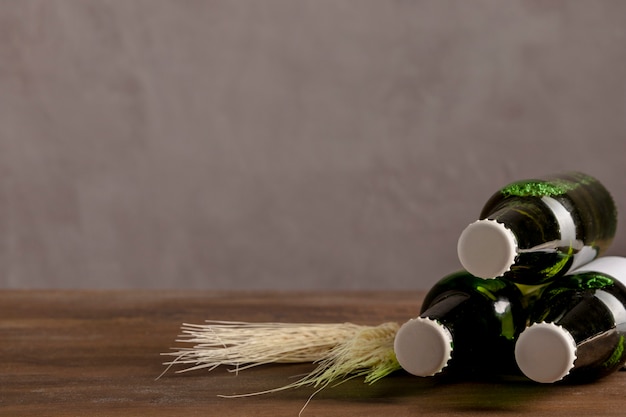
pixel 296 144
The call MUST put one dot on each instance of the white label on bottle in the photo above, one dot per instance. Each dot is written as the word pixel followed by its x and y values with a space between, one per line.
pixel 565 221
pixel 613 266
pixel 583 254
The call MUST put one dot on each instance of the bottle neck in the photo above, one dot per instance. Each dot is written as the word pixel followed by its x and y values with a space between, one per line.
pixel 599 341
pixel 447 306
pixel 538 224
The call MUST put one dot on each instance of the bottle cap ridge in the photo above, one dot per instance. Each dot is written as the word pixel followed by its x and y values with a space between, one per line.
pixel 545 352
pixel 487 249
pixel 423 346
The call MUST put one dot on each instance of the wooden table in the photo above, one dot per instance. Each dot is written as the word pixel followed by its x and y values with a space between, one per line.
pixel 97 353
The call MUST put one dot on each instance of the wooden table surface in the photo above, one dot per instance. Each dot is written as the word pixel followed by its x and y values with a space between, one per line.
pixel 97 353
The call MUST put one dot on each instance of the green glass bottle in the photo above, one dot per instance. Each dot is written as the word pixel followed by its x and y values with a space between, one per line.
pixel 577 326
pixel 534 231
pixel 467 326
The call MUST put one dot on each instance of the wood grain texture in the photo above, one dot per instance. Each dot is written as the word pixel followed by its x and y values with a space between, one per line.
pixel 97 353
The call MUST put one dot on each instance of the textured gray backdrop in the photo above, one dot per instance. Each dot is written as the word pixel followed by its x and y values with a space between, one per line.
pixel 288 144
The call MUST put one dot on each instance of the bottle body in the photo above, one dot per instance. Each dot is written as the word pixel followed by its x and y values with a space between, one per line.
pixel 478 321
pixel 551 226
pixel 582 316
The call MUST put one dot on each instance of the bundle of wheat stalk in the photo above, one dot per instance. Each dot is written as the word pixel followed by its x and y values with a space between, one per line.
pixel 341 350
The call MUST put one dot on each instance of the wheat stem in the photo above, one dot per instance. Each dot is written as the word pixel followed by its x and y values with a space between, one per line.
pixel 340 350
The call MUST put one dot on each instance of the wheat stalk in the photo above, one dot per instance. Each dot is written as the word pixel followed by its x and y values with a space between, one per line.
pixel 340 350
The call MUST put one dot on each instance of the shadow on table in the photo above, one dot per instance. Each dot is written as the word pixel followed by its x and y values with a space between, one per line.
pixel 445 395
pixel 399 391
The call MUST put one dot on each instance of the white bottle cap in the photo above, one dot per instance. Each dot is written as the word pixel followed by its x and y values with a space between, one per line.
pixel 423 346
pixel 487 249
pixel 545 352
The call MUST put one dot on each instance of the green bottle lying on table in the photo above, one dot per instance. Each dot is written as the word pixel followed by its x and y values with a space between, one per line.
pixel 578 325
pixel 467 326
pixel 533 231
